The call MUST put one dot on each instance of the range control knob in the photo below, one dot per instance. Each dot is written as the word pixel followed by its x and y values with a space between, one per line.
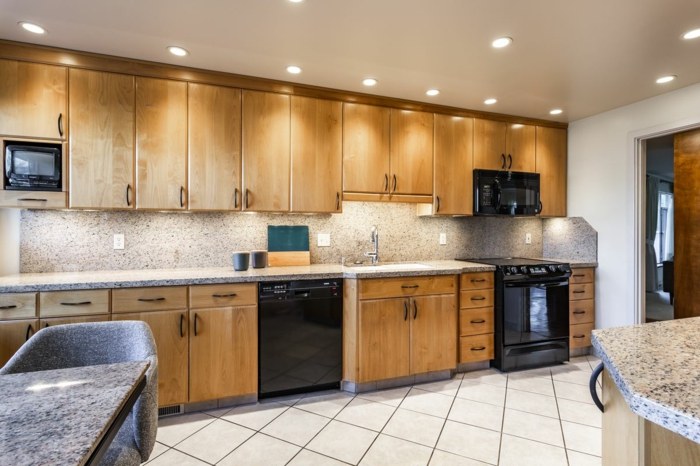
pixel 524 269
pixel 552 268
pixel 514 269
pixel 562 268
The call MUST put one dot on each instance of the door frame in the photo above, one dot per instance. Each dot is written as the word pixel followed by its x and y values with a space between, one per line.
pixel 637 158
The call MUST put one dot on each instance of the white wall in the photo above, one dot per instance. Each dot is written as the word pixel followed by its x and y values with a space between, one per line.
pixel 600 190
pixel 9 241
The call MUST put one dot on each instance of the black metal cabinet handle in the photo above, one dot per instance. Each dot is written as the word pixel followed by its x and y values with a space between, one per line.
pixel 32 199
pixel 579 291
pixel 182 321
pixel 579 312
pixel 231 295
pixel 481 298
pixel 503 165
pixel 60 124
pixel 11 306
pixel 480 280
pixel 46 325
pixel 83 303
pixel 128 198
pixel 235 198
pixel 405 310
pixel 510 161
pixel 415 309
pixel 247 192
pixel 29 329
pixel 394 190
pixel 337 201
pixel 479 348
pixel 540 206
pixel 182 192
pixel 438 204
pixel 478 321
pixel 386 182
pixel 591 386
pixel 578 275
pixel 409 286
pixel 195 324
pixel 150 300
pixel 579 336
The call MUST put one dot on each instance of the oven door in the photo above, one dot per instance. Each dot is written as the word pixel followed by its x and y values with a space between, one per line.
pixel 535 311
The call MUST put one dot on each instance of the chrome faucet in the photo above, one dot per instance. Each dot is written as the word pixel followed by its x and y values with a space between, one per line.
pixel 374 239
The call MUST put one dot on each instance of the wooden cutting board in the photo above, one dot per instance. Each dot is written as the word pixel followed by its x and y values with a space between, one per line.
pixel 288 245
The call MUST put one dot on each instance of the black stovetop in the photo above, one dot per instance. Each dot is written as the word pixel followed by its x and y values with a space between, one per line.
pixel 510 261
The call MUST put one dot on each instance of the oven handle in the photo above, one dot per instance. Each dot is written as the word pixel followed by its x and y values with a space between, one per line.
pixel 538 284
pixel 543 286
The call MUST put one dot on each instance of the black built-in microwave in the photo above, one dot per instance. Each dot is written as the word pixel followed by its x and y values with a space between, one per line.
pixel 33 166
pixel 506 193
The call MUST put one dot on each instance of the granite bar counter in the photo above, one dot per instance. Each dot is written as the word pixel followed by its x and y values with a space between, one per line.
pixel 60 281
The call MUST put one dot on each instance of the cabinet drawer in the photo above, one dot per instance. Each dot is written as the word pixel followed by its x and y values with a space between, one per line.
pixel 160 298
pixel 54 321
pixel 34 199
pixel 582 276
pixel 374 288
pixel 17 305
pixel 73 303
pixel 580 335
pixel 207 296
pixel 476 298
pixel 475 321
pixel 581 291
pixel 476 348
pixel 477 281
pixel 582 312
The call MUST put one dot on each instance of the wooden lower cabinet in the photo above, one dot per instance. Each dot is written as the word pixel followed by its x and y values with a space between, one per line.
pixel 13 334
pixel 476 348
pixel 581 307
pixel 384 339
pixel 476 317
pixel 433 329
pixel 53 322
pixel 223 352
pixel 170 331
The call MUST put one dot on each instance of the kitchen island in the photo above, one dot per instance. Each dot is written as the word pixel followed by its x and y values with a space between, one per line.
pixel 650 393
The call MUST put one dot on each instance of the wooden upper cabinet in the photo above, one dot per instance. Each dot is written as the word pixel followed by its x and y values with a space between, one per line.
pixel 411 152
pixel 161 144
pixel 214 128
pixel 101 158
pixel 552 166
pixel 384 339
pixel 520 148
pixel 454 143
pixel 489 145
pixel 33 100
pixel 266 151
pixel 366 148
pixel 317 155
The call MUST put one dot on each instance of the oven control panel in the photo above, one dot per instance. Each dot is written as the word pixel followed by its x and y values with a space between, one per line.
pixel 543 270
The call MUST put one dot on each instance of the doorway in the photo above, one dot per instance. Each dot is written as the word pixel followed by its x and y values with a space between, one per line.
pixel 659 231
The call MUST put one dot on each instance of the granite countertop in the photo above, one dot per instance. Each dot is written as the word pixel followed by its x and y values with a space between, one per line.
pixel 61 425
pixel 57 281
pixel 657 369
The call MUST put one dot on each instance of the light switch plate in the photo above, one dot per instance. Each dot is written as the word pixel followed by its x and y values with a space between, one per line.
pixel 118 241
pixel 324 239
pixel 528 238
pixel 443 238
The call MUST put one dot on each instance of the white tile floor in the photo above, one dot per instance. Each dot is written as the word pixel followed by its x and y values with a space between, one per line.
pixel 543 417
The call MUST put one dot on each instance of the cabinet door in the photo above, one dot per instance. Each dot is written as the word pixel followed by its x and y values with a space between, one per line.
pixel 266 146
pixel 317 155
pixel 161 144
pixel 101 140
pixel 411 152
pixel 489 145
pixel 366 148
pixel 454 144
pixel 170 331
pixel 384 339
pixel 223 352
pixel 214 126
pixel 520 148
pixel 551 165
pixel 13 334
pixel 32 100
pixel 433 333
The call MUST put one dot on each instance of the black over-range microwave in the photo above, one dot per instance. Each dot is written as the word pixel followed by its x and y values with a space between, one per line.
pixel 33 166
pixel 506 193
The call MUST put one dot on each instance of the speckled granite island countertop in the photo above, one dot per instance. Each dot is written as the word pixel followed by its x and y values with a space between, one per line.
pixel 29 282
pixel 657 369
pixel 59 416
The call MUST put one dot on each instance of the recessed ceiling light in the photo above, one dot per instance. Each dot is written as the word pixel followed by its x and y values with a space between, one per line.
pixel 294 69
pixel 490 101
pixel 502 42
pixel 556 111
pixel 432 92
pixel 694 34
pixel 665 79
pixel 296 1
pixel 31 27
pixel 369 82
pixel 179 51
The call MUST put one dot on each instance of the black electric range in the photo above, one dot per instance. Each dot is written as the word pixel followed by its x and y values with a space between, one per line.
pixel 531 309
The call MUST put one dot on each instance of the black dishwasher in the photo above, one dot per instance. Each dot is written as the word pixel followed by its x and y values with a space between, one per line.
pixel 300 325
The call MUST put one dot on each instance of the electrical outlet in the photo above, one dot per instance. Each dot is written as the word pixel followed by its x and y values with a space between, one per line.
pixel 443 238
pixel 324 239
pixel 528 238
pixel 118 241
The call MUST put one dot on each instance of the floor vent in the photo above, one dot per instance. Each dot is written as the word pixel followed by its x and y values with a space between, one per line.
pixel 170 410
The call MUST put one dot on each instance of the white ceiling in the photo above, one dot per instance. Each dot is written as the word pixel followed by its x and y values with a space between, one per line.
pixel 585 56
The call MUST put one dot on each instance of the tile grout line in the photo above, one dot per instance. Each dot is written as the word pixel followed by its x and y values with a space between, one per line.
pixel 445 421
pixel 561 426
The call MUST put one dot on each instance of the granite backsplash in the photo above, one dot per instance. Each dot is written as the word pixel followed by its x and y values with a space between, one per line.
pixel 61 241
